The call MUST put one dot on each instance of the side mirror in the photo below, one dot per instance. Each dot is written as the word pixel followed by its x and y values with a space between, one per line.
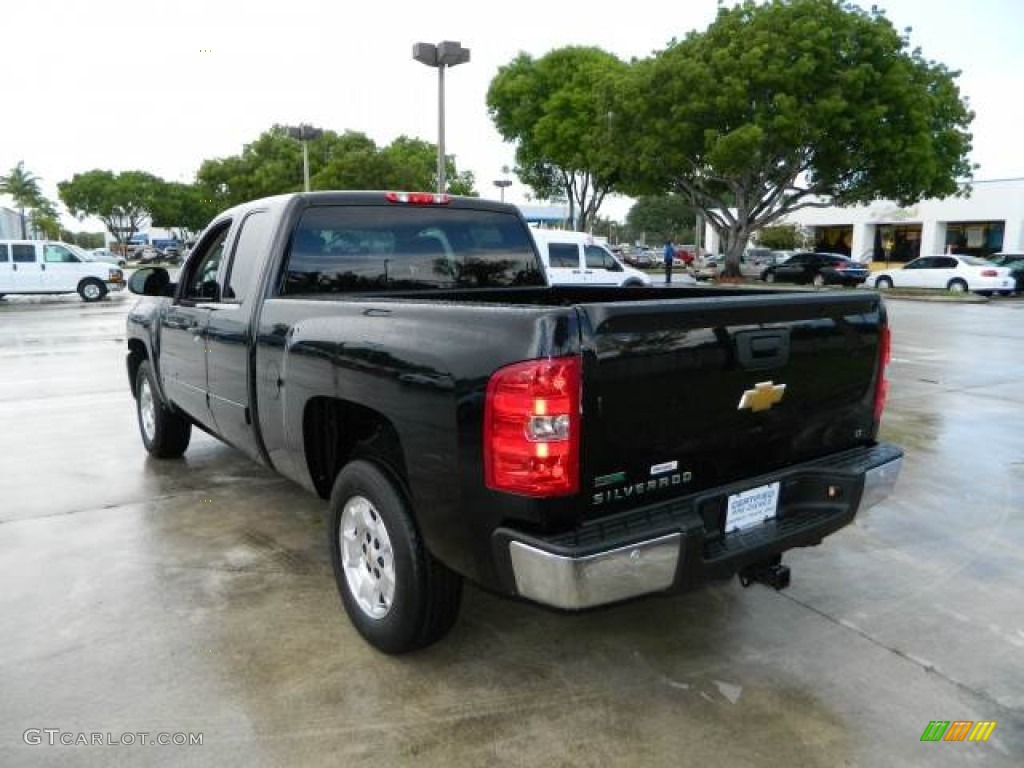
pixel 151 281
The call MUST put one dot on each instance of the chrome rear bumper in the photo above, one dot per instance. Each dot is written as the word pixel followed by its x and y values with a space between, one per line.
pixel 666 560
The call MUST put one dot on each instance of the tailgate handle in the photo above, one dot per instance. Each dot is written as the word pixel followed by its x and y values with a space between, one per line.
pixel 761 350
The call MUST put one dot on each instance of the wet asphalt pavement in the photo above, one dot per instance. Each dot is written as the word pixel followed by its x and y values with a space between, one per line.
pixel 195 597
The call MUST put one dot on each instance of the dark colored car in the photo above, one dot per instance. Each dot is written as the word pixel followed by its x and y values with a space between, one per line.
pixel 1015 261
pixel 818 269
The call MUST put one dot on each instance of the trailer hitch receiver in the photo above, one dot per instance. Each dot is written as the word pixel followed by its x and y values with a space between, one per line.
pixel 772 573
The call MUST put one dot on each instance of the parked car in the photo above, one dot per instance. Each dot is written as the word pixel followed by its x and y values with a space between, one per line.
pixel 817 269
pixel 951 272
pixel 761 257
pixel 575 258
pixel 1015 263
pixel 106 256
pixel 40 266
pixel 466 419
pixel 147 254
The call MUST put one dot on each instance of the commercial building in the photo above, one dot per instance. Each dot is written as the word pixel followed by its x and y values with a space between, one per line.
pixel 988 219
pixel 10 224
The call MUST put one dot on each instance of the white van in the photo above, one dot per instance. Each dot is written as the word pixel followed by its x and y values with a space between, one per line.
pixel 576 258
pixel 41 266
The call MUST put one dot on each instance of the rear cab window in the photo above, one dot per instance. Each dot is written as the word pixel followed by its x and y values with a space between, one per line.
pixel 364 248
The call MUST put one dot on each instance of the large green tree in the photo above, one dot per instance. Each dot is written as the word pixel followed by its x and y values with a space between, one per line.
pixel 123 202
pixel 45 218
pixel 272 165
pixel 563 113
pixel 183 208
pixel 788 104
pixel 23 188
pixel 657 218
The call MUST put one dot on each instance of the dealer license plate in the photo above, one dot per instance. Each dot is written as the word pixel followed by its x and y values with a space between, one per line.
pixel 751 507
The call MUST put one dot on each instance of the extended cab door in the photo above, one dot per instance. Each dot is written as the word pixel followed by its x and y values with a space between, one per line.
pixel 564 267
pixel 183 347
pixel 229 336
pixel 26 269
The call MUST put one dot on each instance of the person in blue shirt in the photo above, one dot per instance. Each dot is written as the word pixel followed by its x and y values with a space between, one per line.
pixel 670 254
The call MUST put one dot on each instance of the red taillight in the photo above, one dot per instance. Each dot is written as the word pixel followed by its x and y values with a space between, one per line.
pixel 881 382
pixel 532 428
pixel 417 198
pixel 989 273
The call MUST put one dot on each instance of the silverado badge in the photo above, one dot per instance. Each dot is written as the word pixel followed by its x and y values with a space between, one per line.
pixel 763 396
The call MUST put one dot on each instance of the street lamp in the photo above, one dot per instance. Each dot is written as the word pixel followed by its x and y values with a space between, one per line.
pixel 446 54
pixel 501 184
pixel 304 133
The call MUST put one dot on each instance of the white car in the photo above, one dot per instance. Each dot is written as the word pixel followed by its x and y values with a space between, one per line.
pixel 951 272
pixel 576 258
pixel 108 256
pixel 40 266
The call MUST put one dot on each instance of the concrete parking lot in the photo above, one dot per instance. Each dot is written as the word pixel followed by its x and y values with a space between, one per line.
pixel 195 597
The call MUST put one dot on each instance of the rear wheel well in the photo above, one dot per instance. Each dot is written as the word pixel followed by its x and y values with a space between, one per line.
pixel 335 432
pixel 136 354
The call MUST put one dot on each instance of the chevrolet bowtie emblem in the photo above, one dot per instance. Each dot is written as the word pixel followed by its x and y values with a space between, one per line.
pixel 763 396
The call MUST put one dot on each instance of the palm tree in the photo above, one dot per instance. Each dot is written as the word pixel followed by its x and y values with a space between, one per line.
pixel 23 188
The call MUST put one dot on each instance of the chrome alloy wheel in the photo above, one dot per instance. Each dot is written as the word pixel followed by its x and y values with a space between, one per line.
pixel 367 557
pixel 147 410
pixel 91 291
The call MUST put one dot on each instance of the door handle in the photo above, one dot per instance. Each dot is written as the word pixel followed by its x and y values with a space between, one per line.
pixel 762 350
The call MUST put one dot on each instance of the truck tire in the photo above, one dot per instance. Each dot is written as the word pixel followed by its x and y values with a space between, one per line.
pixel 165 432
pixel 395 593
pixel 92 289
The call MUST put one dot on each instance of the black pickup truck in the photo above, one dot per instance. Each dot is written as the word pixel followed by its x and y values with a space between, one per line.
pixel 402 355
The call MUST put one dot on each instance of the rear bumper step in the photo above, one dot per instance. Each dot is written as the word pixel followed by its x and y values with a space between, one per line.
pixel 676 545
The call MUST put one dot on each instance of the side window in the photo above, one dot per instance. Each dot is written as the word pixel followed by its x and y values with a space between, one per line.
pixel 598 258
pixel 946 263
pixel 564 255
pixel 58 254
pixel 926 263
pixel 4 255
pixel 251 244
pixel 23 253
pixel 201 282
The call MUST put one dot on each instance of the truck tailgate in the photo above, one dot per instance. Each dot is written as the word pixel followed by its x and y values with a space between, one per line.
pixel 684 395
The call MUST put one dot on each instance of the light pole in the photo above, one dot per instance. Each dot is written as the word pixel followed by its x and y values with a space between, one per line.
pixel 305 133
pixel 502 184
pixel 446 54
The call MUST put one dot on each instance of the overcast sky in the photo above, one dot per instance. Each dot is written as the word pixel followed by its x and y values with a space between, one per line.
pixel 160 85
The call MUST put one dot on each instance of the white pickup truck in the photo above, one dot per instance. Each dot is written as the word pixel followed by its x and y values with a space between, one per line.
pixel 41 266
